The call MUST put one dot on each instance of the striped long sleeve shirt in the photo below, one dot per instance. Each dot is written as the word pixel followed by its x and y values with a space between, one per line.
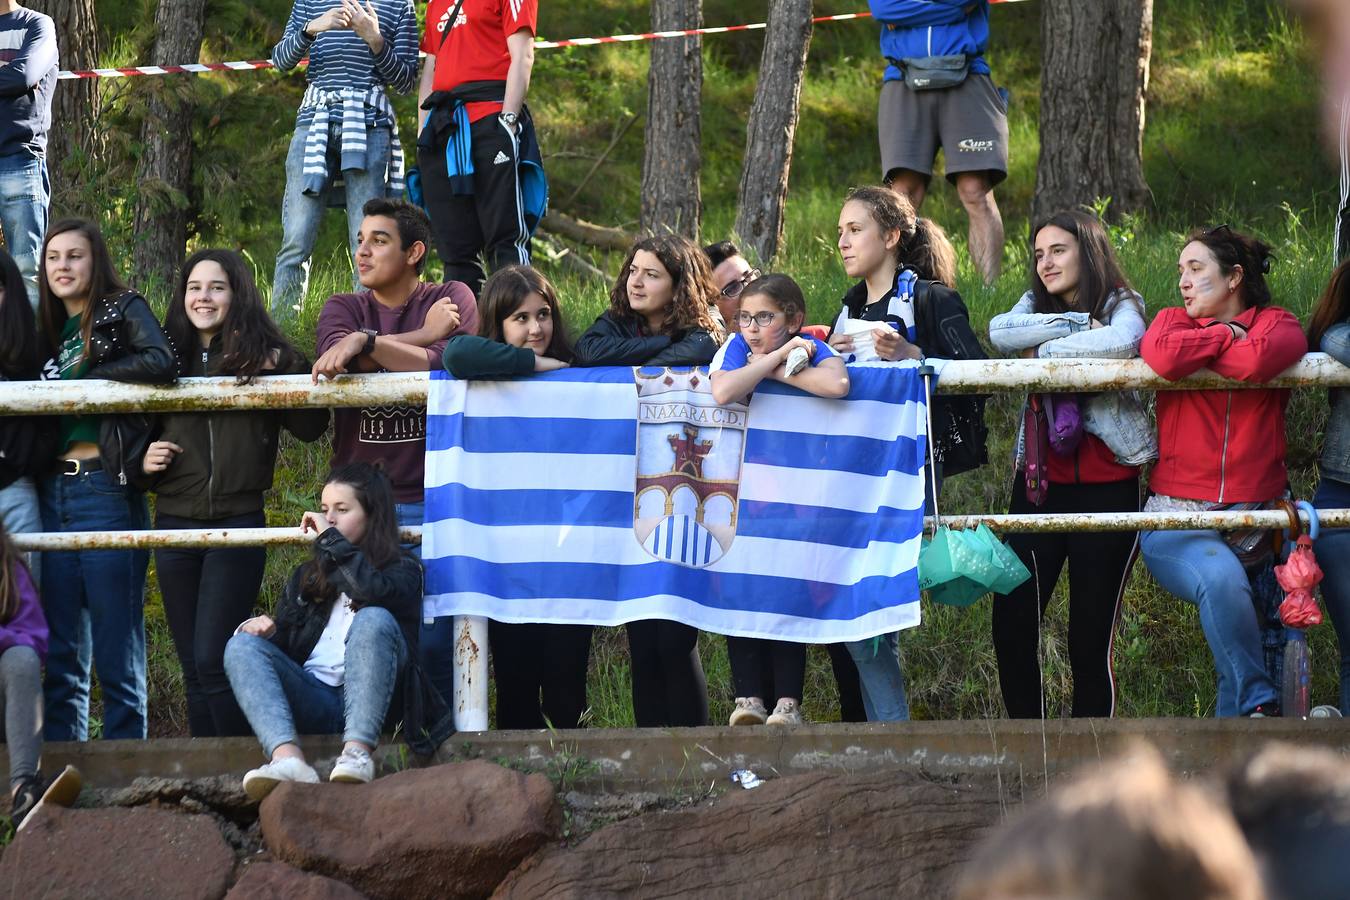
pixel 339 60
pixel 346 84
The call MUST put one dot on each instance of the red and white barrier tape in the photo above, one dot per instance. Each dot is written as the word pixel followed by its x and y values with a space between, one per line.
pixel 251 64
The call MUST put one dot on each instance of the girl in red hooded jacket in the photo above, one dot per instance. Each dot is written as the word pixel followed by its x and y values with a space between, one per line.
pixel 1221 449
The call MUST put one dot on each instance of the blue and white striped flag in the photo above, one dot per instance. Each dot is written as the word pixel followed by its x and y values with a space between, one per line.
pixel 608 495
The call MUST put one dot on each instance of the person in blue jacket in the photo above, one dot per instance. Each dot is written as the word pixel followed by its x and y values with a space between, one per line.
pixel 938 92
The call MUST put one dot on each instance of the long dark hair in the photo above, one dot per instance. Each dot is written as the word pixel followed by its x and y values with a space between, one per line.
pixel 10 562
pixel 1332 307
pixel 379 545
pixel 19 356
pixel 248 335
pixel 929 252
pixel 694 292
pixel 1099 272
pixel 1233 249
pixel 103 282
pixel 502 295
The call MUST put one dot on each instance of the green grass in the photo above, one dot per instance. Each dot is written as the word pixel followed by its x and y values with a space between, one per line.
pixel 1232 136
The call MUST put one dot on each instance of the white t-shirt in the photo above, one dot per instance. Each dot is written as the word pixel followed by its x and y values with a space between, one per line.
pixel 328 660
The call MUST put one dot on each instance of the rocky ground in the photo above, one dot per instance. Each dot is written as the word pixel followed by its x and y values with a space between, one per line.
pixel 478 829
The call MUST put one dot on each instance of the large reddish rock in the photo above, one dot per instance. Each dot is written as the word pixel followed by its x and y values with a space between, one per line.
pixel 443 832
pixel 80 853
pixel 809 836
pixel 278 881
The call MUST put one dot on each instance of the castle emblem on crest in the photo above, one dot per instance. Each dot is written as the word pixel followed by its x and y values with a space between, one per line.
pixel 688 467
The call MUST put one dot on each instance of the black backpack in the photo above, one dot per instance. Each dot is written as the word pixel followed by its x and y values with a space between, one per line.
pixel 943 329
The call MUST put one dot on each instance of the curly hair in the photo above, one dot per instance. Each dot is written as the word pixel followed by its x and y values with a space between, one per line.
pixel 694 294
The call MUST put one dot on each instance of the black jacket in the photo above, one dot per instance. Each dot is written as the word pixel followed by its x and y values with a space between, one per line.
pixel 620 342
pixel 942 327
pixel 126 344
pixel 427 719
pixel 228 456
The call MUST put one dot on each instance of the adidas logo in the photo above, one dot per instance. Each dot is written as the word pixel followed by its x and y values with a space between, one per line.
pixel 500 158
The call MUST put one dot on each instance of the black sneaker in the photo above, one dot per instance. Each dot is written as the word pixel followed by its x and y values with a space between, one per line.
pixel 25 798
pixel 61 791
pixel 1265 711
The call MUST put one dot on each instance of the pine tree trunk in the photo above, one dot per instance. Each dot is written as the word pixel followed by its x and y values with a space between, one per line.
pixel 76 137
pixel 671 201
pixel 1094 79
pixel 164 176
pixel 772 126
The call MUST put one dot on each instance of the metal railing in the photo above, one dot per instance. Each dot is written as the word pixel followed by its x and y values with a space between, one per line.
pixel 470 701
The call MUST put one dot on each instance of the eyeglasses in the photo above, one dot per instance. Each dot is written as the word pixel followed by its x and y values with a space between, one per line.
pixel 733 290
pixel 763 318
pixel 1220 230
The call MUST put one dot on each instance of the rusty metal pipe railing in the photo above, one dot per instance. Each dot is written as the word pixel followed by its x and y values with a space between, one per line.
pixel 1007 524
pixel 295 391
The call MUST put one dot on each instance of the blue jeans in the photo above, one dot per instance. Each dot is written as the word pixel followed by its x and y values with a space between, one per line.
pixel 883 684
pixel 20 512
pixel 1200 568
pixel 302 214
pixel 283 701
pixel 436 642
pixel 25 191
pixel 94 601
pixel 878 659
pixel 1333 553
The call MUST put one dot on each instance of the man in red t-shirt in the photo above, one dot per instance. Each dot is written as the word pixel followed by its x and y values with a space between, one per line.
pixel 477 131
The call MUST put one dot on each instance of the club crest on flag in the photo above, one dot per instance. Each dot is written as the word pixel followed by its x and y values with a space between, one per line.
pixel 688 467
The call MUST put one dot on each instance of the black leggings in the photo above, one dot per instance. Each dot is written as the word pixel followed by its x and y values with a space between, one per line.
pixel 851 707
pixel 207 593
pixel 533 659
pixel 767 669
pixel 1099 567
pixel 668 684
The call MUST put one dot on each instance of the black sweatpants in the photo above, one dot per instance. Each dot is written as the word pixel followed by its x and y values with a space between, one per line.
pixel 668 684
pixel 1099 568
pixel 207 592
pixel 767 669
pixel 491 220
pixel 851 707
pixel 534 660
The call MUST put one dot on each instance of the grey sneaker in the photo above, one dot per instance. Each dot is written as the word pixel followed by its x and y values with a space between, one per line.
pixel 354 766
pixel 258 783
pixel 787 712
pixel 748 711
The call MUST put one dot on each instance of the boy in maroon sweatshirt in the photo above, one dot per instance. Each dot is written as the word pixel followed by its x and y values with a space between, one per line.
pixel 397 324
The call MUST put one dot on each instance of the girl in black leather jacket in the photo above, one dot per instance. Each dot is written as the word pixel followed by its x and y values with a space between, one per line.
pixel 93 327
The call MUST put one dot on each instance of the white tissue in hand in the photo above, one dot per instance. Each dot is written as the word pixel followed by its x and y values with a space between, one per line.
pixel 796 360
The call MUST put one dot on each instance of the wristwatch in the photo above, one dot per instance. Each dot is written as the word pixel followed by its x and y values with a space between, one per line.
pixel 370 334
pixel 510 120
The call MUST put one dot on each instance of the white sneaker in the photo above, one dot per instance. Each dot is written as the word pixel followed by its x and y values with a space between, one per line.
pixel 748 711
pixel 1324 712
pixel 258 783
pixel 354 766
pixel 787 712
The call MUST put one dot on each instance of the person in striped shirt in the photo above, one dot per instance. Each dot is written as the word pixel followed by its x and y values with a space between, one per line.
pixel 345 150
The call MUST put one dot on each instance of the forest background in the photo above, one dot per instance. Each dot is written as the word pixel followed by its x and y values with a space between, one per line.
pixel 1231 136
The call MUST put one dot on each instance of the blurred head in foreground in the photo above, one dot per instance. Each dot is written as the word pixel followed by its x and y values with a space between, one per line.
pixel 1293 805
pixel 1127 831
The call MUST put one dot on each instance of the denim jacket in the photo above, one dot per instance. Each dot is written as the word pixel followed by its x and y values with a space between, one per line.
pixel 1335 461
pixel 1117 417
